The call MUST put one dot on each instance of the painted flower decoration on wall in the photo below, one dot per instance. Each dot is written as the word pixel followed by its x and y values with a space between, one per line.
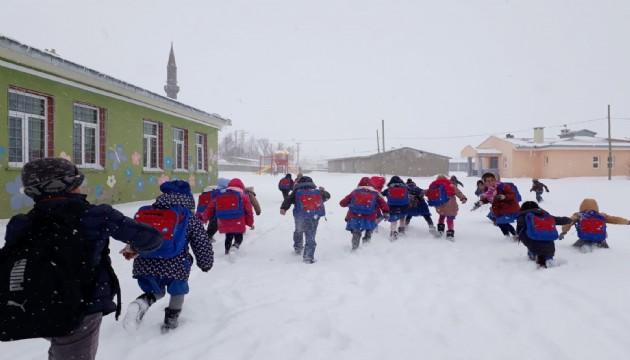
pixel 128 173
pixel 135 158
pixel 199 182
pixel 168 162
pixel 140 184
pixel 152 180
pixel 98 191
pixel 18 198
pixel 117 156
pixel 63 155
pixel 111 181
pixel 163 178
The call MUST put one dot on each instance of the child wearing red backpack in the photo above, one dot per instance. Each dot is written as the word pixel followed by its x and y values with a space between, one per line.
pixel 232 221
pixel 537 231
pixel 449 209
pixel 397 195
pixel 169 273
pixel 363 204
pixel 591 225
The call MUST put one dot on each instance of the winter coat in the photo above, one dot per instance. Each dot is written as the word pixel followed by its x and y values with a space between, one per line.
pixel 178 267
pixel 415 195
pixel 395 181
pixel 537 186
pixel 304 183
pixel 509 205
pixel 381 204
pixel 591 204
pixel 99 223
pixel 538 247
pixel 236 225
pixel 450 208
pixel 252 197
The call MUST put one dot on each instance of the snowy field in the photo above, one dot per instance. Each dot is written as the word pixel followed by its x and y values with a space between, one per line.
pixel 417 298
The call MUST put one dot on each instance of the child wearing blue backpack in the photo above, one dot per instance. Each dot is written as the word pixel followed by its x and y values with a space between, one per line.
pixel 443 195
pixel 418 207
pixel 308 207
pixel 168 268
pixel 363 203
pixel 537 231
pixel 233 210
pixel 591 226
pixel 397 195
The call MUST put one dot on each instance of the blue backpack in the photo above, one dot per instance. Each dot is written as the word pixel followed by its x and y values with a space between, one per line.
pixel 229 205
pixel 363 202
pixel 591 226
pixel 437 195
pixel 514 188
pixel 285 184
pixel 309 202
pixel 171 223
pixel 398 196
pixel 540 227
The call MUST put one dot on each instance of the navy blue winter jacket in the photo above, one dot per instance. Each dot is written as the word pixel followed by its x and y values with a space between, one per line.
pixel 99 222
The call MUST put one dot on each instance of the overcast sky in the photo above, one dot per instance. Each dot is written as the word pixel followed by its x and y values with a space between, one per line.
pixel 325 73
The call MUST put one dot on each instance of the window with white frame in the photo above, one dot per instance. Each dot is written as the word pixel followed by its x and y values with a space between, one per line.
pixel 505 163
pixel 86 136
pixel 595 162
pixel 201 141
pixel 27 127
pixel 179 150
pixel 151 146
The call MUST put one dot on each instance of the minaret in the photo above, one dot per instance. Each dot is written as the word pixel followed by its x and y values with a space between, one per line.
pixel 171 87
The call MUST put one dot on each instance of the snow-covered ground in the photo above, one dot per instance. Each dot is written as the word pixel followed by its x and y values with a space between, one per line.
pixel 417 298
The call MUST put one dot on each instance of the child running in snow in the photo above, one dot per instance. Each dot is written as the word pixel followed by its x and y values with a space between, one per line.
pixel 540 246
pixel 397 195
pixel 538 187
pixel 591 226
pixel 158 275
pixel 505 208
pixel 449 209
pixel 378 182
pixel 418 207
pixel 213 226
pixel 363 204
pixel 308 208
pixel 232 221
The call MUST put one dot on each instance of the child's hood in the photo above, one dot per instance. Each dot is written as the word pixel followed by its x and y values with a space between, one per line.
pixel 588 205
pixel 236 183
pixel 164 201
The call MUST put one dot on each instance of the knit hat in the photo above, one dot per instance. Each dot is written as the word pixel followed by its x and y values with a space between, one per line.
pixel 305 179
pixel 528 205
pixel 50 176
pixel 365 181
pixel 395 180
pixel 176 186
pixel 410 182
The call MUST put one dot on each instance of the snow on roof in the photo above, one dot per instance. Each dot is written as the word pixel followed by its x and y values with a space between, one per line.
pixel 489 151
pixel 573 142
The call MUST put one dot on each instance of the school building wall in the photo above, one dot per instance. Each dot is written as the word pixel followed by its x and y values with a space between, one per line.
pixel 122 177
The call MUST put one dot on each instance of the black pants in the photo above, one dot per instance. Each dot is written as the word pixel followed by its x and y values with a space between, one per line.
pixel 213 227
pixel 238 240
pixel 507 229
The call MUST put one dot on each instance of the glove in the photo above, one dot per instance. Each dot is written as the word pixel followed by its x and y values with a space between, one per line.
pixel 477 206
pixel 500 197
pixel 206 270
pixel 561 236
pixel 282 211
pixel 546 190
pixel 128 253
pixel 464 200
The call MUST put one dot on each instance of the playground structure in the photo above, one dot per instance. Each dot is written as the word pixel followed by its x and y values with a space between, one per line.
pixel 278 163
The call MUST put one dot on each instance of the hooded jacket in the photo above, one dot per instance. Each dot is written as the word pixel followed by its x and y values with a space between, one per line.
pixel 381 205
pixel 591 204
pixel 236 225
pixel 450 208
pixel 178 267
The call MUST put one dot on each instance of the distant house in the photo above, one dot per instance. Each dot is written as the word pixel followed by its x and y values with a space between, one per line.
pixel 125 139
pixel 571 154
pixel 404 162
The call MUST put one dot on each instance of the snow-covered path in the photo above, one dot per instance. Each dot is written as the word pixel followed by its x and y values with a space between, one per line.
pixel 417 298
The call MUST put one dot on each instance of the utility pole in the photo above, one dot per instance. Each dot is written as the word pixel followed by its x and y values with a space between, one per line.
pixel 297 164
pixel 609 148
pixel 383 135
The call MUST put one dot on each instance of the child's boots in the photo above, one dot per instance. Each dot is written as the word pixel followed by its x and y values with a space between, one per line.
pixel 450 235
pixel 440 229
pixel 136 311
pixel 171 317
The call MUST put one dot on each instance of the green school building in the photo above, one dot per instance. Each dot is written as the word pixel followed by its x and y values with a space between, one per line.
pixel 125 139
